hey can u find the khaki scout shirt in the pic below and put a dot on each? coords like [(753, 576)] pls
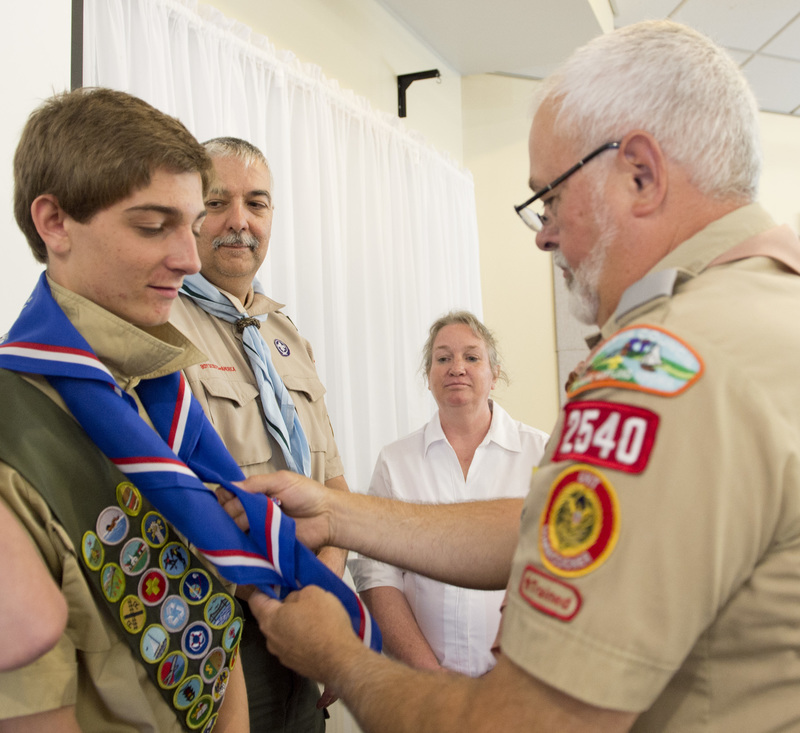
[(92, 666), (227, 389), (658, 568)]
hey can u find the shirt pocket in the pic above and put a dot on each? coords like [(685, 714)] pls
[(234, 409), (307, 393)]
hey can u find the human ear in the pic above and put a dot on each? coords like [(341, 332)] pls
[(646, 167), (48, 218)]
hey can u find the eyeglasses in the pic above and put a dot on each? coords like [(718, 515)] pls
[(535, 218)]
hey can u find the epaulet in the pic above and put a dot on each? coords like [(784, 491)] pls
[(655, 285)]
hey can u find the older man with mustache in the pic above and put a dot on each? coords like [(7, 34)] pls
[(259, 388)]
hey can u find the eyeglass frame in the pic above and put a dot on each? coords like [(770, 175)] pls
[(557, 182)]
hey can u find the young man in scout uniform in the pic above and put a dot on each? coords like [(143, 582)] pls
[(259, 388), (109, 194), (654, 584)]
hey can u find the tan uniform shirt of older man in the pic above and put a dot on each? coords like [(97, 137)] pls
[(652, 581), (232, 246)]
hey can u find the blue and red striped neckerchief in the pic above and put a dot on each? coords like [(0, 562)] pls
[(170, 470)]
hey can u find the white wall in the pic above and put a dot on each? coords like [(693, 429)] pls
[(36, 55), (361, 45), (516, 278)]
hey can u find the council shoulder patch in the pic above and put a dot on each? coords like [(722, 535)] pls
[(643, 358), (579, 526)]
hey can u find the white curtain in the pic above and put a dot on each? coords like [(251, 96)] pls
[(375, 232)]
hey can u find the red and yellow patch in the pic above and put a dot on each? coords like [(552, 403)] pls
[(580, 522)]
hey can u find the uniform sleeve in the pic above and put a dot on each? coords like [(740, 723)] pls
[(51, 681), (646, 517), (368, 573)]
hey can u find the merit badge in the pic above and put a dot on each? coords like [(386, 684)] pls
[(580, 522), (174, 614), (154, 644), (212, 665), (112, 581), (221, 683), (231, 636), (112, 525), (211, 723), (174, 559), (607, 434), (282, 348), (643, 358), (154, 529), (196, 639), (133, 614), (153, 586), (195, 586), (188, 692), (549, 595), (218, 610), (200, 712), (92, 551), (172, 670), (135, 556), (129, 498)]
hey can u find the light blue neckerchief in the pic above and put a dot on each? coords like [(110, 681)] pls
[(280, 414)]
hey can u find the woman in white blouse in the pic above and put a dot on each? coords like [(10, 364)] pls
[(471, 449)]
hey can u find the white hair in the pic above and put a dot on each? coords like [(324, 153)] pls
[(673, 82)]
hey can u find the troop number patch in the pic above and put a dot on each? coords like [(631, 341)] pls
[(580, 522), (607, 434), (643, 358)]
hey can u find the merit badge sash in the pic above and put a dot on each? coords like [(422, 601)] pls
[(170, 468), (178, 619)]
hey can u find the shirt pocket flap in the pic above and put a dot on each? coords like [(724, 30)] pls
[(239, 392), (311, 386)]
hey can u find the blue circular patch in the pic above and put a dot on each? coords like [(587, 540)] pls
[(174, 559), (174, 614), (112, 525), (196, 639), (219, 610), (195, 586), (135, 556), (282, 348), (188, 692), (154, 529), (154, 643)]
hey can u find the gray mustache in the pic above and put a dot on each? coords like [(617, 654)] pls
[(236, 238)]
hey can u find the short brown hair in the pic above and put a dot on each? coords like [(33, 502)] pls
[(93, 147), (464, 318)]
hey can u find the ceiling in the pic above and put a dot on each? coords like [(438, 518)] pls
[(531, 37)]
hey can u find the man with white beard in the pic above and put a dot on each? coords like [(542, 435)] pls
[(652, 581)]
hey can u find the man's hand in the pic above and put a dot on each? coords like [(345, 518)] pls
[(299, 497), (310, 632)]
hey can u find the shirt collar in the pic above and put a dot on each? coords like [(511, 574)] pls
[(130, 353), (502, 431)]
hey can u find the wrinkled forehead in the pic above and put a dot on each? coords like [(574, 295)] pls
[(234, 173), (550, 150)]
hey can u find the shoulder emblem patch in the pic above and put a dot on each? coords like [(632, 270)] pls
[(579, 526), (643, 358), (608, 434)]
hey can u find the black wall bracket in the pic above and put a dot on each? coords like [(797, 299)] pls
[(404, 81)]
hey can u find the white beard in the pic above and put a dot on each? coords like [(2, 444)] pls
[(583, 282)]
